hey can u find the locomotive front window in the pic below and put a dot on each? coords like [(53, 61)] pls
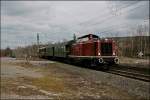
[(106, 49)]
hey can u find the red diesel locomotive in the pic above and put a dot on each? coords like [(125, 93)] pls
[(89, 50)]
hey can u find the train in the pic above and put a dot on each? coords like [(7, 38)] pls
[(88, 50)]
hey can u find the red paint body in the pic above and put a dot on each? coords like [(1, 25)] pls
[(92, 47)]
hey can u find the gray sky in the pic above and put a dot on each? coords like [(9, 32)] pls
[(59, 20)]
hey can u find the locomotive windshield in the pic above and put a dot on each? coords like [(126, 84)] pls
[(106, 49)]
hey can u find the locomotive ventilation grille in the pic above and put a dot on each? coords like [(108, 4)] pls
[(106, 49)]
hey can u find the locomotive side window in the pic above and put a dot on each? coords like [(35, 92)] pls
[(84, 39)]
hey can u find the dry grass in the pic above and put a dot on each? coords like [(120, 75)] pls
[(49, 83), (69, 84)]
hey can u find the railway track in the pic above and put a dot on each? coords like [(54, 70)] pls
[(126, 71), (138, 69), (130, 74)]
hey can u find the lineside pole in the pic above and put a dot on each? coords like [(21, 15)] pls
[(38, 46)]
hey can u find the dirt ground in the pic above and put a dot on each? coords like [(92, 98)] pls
[(56, 81), (135, 62)]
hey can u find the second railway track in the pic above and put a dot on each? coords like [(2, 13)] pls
[(130, 74)]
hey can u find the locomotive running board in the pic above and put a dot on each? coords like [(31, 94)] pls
[(72, 56)]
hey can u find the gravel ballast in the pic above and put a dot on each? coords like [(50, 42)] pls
[(132, 86)]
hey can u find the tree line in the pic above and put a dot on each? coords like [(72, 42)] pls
[(127, 46)]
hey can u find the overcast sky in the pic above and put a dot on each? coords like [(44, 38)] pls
[(59, 20)]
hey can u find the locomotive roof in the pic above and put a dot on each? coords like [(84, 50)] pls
[(93, 36)]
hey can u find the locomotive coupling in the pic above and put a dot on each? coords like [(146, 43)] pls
[(116, 60), (100, 60)]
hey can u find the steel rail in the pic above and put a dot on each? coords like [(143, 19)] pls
[(129, 74)]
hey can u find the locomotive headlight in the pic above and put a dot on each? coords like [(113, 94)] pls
[(106, 39), (99, 53), (114, 53)]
